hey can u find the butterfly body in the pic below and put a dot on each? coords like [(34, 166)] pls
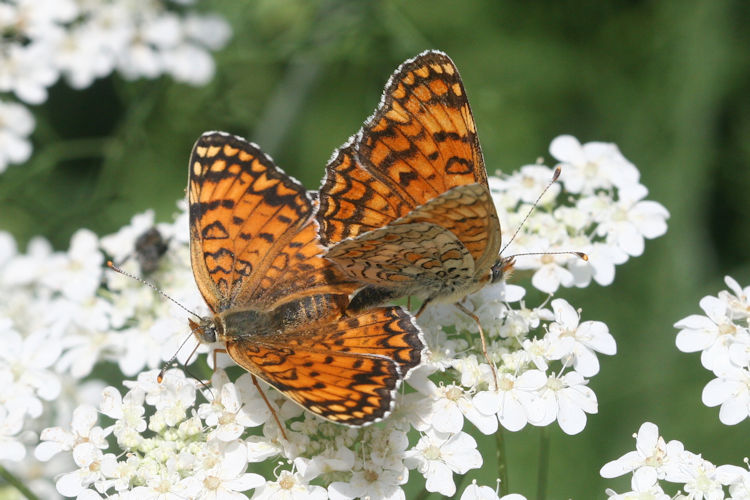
[(278, 306)]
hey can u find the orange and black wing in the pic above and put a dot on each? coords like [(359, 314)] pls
[(252, 239), (420, 142), (447, 240), (346, 370)]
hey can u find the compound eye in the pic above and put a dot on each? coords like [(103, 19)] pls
[(497, 273), (501, 269)]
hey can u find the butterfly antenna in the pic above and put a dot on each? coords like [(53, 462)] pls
[(112, 266), (581, 255), (169, 363), (531, 210)]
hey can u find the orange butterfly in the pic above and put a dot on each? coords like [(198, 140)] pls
[(277, 303), (405, 207)]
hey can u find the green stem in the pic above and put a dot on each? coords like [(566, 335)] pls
[(543, 466), (13, 481), (502, 464)]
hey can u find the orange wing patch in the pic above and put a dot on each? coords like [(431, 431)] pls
[(344, 370)]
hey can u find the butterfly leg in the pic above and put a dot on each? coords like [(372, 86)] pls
[(262, 394), (481, 336), (268, 403)]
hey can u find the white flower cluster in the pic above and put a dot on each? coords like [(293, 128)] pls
[(83, 40), (597, 207), (66, 315), (723, 338), (656, 461)]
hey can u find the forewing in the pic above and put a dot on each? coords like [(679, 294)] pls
[(420, 142), (404, 257), (252, 236), (353, 201), (346, 371)]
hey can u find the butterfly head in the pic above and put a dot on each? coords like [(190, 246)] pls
[(207, 330), (502, 268)]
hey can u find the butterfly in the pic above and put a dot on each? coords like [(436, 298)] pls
[(405, 207), (277, 304)]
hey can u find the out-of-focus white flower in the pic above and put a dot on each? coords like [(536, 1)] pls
[(25, 370), (83, 430), (26, 70), (11, 424), (77, 273), (438, 455), (16, 123)]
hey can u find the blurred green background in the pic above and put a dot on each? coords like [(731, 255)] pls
[(667, 81)]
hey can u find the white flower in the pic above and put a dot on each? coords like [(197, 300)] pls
[(26, 71), (11, 424), (653, 458), (24, 369), (438, 455), (83, 430), (705, 480), (90, 461), (476, 492), (211, 31), (528, 183), (711, 333), (640, 492), (732, 392), (737, 302), (450, 403), (516, 400), (289, 486), (577, 341), (77, 273), (567, 399), (81, 56), (591, 166), (626, 222), (236, 406), (16, 123), (228, 477), (372, 483), (128, 411)]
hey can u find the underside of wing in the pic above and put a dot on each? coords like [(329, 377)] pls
[(415, 259), (469, 213), (345, 371)]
